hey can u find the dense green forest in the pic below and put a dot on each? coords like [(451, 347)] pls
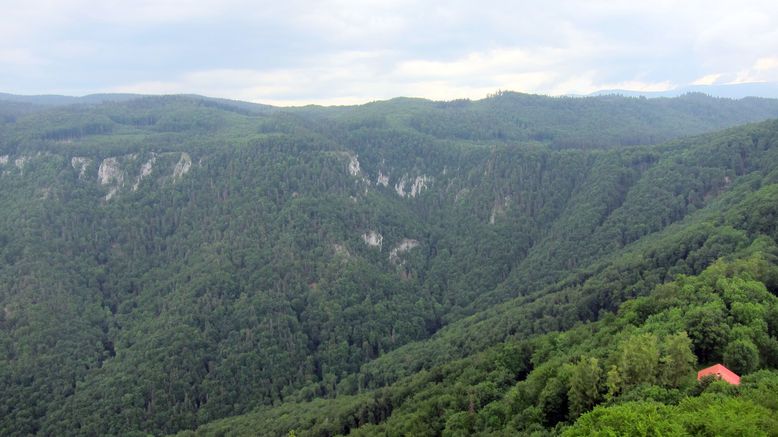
[(518, 264)]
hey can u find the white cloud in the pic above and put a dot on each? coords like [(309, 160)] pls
[(350, 51), (708, 79), (763, 70), (637, 85), (766, 64), (477, 63), (352, 21), (587, 83), (359, 77), (279, 86)]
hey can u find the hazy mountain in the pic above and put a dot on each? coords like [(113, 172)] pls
[(59, 100), (730, 91)]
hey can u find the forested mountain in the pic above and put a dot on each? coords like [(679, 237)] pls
[(179, 263)]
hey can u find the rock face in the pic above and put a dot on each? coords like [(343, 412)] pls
[(405, 245), (80, 163), (145, 170), (416, 185), (373, 239), (399, 187), (183, 166), (419, 184), (353, 165), (115, 173), (21, 161), (110, 172), (382, 179)]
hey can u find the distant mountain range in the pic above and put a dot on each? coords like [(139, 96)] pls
[(44, 101), (59, 100), (732, 91)]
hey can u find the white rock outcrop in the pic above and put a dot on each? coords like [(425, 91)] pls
[(183, 166), (353, 165), (112, 192), (21, 161), (382, 179), (399, 187), (145, 170), (80, 163), (405, 245), (373, 239), (110, 172), (420, 183), (415, 185), (4, 159)]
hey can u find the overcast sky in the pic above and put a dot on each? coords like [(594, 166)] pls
[(289, 52)]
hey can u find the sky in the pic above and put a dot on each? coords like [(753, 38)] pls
[(290, 52)]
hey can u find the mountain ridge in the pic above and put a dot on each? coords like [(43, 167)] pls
[(732, 91), (168, 261), (736, 91)]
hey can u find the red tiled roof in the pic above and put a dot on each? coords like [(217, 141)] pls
[(720, 371)]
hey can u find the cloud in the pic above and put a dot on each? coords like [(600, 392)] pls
[(763, 70), (587, 83), (359, 77), (708, 79), (355, 21), (475, 63), (294, 86), (325, 51)]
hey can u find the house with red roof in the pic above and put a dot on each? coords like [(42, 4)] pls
[(720, 372)]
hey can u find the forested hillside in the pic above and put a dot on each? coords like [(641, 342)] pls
[(178, 263)]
